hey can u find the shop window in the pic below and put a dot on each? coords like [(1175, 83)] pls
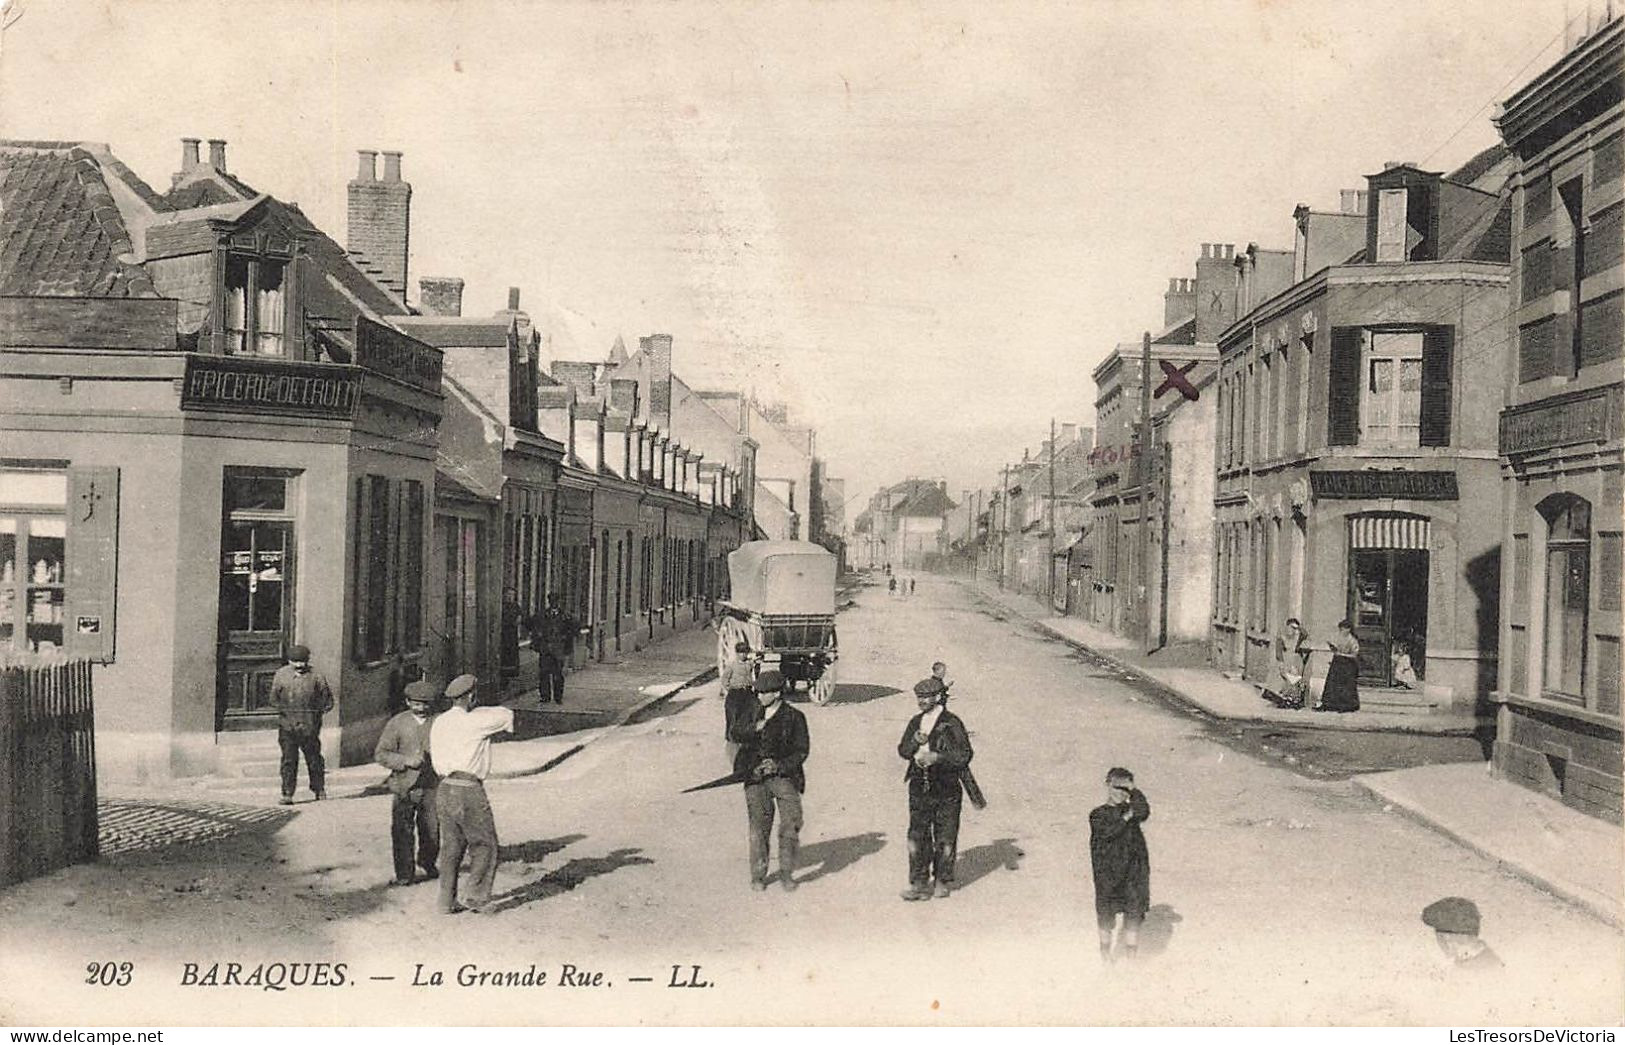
[(57, 566), (1568, 594), (254, 312)]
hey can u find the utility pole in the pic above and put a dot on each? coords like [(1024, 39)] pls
[(1143, 460), (1052, 513), (1004, 523)]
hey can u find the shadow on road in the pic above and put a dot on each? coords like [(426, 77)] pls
[(129, 827), (837, 854), (568, 877), (982, 860), (861, 693), (1158, 930), (536, 850)]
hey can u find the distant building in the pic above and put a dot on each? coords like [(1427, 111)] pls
[(905, 525)]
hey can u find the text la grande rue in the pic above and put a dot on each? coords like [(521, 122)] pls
[(568, 975)]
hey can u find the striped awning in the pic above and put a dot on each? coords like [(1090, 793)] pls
[(1389, 531)]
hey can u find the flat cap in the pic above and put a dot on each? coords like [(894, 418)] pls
[(1453, 914), (421, 692), (769, 681), (929, 687), (461, 686), (299, 654)]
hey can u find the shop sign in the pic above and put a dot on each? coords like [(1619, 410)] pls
[(387, 351), (260, 386), (1373, 485), (1545, 425)]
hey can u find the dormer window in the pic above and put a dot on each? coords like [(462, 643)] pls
[(1392, 229), (254, 312)]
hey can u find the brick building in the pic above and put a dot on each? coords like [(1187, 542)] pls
[(1558, 682)]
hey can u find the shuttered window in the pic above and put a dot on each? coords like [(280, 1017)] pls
[(1343, 408), (1536, 344), (59, 560), (1438, 345)]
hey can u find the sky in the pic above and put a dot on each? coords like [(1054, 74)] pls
[(920, 225)]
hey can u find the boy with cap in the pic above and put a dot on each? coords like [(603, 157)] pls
[(460, 742), (1120, 861), (938, 751), (301, 697), (738, 695), (773, 745), (403, 748), (1455, 924)]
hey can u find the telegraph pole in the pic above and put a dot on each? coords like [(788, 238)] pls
[(1004, 523), (1052, 512), (1143, 460)]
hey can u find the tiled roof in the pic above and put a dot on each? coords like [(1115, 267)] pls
[(1481, 165), (454, 332), (60, 231)]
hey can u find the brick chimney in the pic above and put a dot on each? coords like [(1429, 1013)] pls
[(441, 295), (217, 154), (1215, 290), (658, 348), (380, 220), (1178, 301)]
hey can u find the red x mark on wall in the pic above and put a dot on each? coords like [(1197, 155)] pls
[(1175, 378)]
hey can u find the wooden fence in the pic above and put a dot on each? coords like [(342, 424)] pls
[(47, 769)]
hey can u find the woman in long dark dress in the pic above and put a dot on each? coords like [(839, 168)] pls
[(1340, 693)]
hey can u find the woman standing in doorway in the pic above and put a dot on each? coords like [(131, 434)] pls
[(1341, 693)]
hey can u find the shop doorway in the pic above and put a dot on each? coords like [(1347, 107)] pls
[(258, 576), (1388, 603), (462, 650)]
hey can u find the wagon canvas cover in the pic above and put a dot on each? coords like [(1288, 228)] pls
[(782, 577)]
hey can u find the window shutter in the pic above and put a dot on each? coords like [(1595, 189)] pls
[(1438, 344), (1343, 410), (92, 553)]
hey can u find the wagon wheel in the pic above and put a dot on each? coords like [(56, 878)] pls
[(727, 656), (823, 687)]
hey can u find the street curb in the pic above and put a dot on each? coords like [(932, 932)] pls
[(599, 732), (1192, 705), (1599, 908)]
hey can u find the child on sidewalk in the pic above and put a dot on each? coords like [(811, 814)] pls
[(1121, 863)]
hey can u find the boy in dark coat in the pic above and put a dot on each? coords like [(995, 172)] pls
[(938, 751), (1121, 863), (773, 745)]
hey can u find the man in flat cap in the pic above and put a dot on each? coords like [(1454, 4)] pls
[(1455, 924), (773, 745), (738, 695), (937, 749), (301, 697), (460, 743), (403, 748)]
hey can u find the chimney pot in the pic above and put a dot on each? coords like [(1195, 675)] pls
[(392, 166), (1173, 286), (1229, 250), (367, 169), (513, 299), (1362, 199), (1348, 201), (1391, 164), (189, 153), (217, 154), (1205, 248)]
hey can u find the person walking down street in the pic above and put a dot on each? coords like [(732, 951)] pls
[(939, 671), (403, 748), (911, 585), (301, 697), (460, 744), (554, 638), (513, 625), (773, 746), (1340, 692), (738, 696), (891, 587), (938, 751), (1120, 862), (1455, 923)]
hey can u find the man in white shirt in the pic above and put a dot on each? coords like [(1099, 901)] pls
[(460, 744)]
